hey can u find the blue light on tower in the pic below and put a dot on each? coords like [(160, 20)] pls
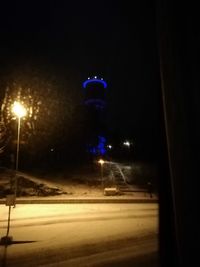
[(94, 91), (94, 80), (99, 148), (95, 102)]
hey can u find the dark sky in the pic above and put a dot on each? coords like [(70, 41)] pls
[(112, 39)]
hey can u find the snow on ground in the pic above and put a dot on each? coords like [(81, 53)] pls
[(60, 186), (67, 233), (33, 186)]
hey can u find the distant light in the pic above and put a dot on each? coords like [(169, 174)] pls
[(127, 143), (101, 161), (19, 110), (95, 77), (52, 149), (109, 146), (102, 79), (88, 78)]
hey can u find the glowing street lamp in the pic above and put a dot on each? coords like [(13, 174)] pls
[(19, 111), (101, 162)]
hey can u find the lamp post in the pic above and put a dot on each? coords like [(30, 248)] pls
[(19, 111), (101, 162), (128, 146), (127, 143)]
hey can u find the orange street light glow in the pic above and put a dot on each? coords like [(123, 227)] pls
[(19, 110), (101, 161)]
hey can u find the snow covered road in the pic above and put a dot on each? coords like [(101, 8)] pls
[(81, 235)]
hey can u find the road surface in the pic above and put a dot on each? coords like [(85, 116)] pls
[(80, 235)]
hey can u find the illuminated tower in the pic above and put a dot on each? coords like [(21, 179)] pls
[(95, 103)]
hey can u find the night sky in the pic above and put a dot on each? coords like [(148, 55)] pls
[(115, 40)]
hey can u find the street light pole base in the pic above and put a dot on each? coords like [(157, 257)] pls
[(6, 240)]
